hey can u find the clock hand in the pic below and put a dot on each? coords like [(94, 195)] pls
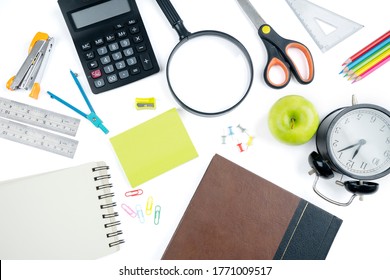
[(349, 147), (361, 143)]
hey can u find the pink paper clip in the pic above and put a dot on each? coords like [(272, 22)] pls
[(129, 211), (134, 193)]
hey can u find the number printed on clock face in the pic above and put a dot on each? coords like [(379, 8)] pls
[(360, 142)]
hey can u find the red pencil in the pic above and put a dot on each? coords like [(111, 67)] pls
[(372, 69), (368, 47)]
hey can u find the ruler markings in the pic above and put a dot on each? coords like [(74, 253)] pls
[(39, 117), (37, 138)]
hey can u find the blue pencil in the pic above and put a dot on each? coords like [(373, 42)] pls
[(360, 59)]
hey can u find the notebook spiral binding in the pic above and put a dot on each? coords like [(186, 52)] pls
[(110, 218)]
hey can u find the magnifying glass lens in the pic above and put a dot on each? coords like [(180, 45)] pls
[(209, 73)]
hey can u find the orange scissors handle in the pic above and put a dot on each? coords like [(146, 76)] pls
[(280, 53)]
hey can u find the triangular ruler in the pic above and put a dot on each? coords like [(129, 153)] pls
[(313, 17)]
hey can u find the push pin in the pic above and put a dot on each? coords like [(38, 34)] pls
[(223, 139), (243, 130), (231, 133), (239, 145), (250, 141)]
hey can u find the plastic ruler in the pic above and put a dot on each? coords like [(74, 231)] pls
[(311, 15), (12, 111)]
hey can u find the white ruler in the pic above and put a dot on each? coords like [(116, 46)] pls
[(37, 138), (28, 114)]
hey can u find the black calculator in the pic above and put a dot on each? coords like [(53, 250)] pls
[(111, 41)]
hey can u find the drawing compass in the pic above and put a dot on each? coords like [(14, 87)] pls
[(92, 116)]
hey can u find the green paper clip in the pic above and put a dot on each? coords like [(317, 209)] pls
[(157, 213)]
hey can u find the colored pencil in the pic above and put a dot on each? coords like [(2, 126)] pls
[(366, 55), (368, 60), (372, 63), (371, 70), (367, 48)]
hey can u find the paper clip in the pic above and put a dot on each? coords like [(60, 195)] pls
[(129, 211), (134, 193), (140, 213), (157, 212), (149, 206), (145, 103)]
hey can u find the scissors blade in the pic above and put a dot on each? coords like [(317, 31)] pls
[(251, 12)]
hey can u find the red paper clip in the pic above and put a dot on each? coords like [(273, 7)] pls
[(134, 193)]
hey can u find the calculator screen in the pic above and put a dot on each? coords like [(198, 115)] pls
[(100, 12)]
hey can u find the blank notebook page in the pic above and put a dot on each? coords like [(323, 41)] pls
[(58, 215)]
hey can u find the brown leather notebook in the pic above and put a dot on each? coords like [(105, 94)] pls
[(237, 215)]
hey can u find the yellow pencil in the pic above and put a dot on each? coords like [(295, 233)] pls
[(355, 74)]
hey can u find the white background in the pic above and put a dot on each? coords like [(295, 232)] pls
[(361, 246)]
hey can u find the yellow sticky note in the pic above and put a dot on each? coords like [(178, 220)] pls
[(153, 147)]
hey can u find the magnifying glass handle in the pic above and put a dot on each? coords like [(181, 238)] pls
[(173, 18)]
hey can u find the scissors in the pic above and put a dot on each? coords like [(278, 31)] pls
[(278, 51)]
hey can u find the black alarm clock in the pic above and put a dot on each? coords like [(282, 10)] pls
[(353, 141)]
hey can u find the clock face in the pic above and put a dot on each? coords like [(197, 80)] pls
[(359, 142)]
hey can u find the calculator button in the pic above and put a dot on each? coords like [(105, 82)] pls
[(141, 48), (99, 41), (112, 78), (113, 47), (105, 59), (99, 83), (124, 74), (146, 62), (128, 52), (90, 55), (93, 64), (118, 26), (125, 43), (120, 65), (131, 22), (134, 30), (117, 55), (135, 71), (138, 39), (102, 50), (108, 69), (131, 61), (86, 46), (121, 34), (96, 74), (110, 38)]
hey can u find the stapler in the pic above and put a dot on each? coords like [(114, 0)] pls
[(31, 71)]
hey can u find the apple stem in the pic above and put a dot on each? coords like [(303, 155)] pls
[(292, 123)]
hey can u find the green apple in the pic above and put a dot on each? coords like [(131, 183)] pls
[(293, 120)]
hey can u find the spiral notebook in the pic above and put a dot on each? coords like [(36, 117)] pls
[(64, 214)]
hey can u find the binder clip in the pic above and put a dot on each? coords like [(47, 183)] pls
[(30, 73)]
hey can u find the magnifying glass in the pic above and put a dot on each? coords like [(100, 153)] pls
[(209, 72)]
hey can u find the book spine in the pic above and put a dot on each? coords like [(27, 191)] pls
[(105, 197)]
